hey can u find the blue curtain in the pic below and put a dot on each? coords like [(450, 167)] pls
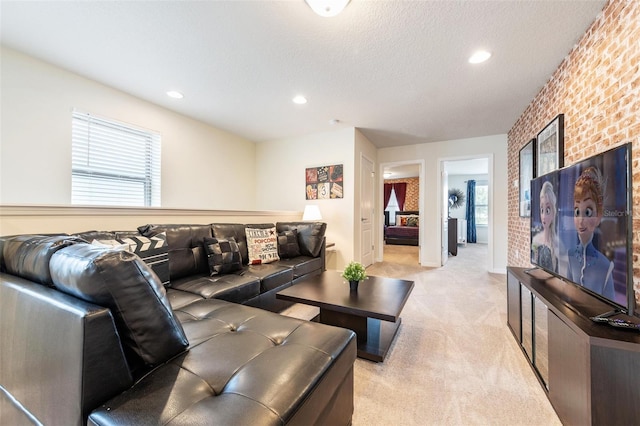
[(471, 211)]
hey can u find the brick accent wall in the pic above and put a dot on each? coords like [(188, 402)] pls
[(597, 88), (413, 191)]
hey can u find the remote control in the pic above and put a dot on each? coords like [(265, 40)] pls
[(599, 319), (624, 324)]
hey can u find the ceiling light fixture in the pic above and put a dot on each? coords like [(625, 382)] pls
[(327, 8), (479, 57), (300, 100), (175, 94)]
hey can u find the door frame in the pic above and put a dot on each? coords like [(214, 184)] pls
[(374, 199), (379, 222)]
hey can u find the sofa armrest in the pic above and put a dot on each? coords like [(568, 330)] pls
[(60, 357)]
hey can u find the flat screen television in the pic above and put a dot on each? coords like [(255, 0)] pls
[(581, 226)]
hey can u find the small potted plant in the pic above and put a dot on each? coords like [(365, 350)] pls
[(354, 272)]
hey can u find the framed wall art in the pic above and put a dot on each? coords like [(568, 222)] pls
[(324, 182), (550, 146), (527, 172)]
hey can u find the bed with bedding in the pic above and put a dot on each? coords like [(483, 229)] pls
[(405, 231)]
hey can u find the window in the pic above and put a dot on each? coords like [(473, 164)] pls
[(113, 164), (392, 207), (482, 204)]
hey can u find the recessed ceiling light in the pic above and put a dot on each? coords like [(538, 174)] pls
[(300, 100), (327, 8), (479, 56), (175, 94)]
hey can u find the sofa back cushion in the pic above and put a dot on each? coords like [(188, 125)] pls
[(237, 231), (28, 256), (186, 248), (121, 281), (310, 235)]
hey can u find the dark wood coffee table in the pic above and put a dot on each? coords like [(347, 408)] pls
[(373, 312)]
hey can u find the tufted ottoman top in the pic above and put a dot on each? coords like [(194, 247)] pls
[(244, 366)]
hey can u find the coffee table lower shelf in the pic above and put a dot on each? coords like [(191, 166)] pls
[(374, 336)]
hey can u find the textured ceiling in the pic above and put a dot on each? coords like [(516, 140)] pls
[(397, 70)]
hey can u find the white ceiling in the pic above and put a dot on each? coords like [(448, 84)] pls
[(395, 69)]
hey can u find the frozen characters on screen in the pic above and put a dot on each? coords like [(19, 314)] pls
[(544, 242), (587, 266)]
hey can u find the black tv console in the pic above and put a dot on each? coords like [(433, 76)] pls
[(590, 370)]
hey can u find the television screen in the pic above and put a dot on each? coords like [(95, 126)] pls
[(581, 225)]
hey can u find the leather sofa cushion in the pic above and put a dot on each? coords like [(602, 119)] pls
[(245, 366), (302, 265), (186, 247), (271, 275), (310, 235), (237, 231), (28, 256), (234, 287), (121, 281), (179, 298)]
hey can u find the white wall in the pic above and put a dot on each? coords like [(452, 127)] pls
[(280, 177), (432, 154), (206, 168), (460, 182), (202, 167)]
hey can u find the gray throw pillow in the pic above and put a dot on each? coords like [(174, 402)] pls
[(288, 244), (223, 255)]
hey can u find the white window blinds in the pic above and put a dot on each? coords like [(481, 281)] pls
[(113, 164)]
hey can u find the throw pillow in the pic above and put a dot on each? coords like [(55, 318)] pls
[(412, 221), (223, 255), (403, 220), (111, 244), (154, 251), (262, 245), (288, 244)]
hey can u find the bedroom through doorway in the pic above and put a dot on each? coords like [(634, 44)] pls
[(401, 201)]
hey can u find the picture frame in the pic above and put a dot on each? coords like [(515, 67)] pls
[(550, 146), (527, 173), (324, 182)]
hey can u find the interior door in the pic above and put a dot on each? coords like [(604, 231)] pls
[(444, 219), (366, 211)]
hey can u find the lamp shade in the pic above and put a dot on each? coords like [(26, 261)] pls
[(311, 212)]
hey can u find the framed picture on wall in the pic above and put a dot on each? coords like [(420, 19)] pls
[(527, 172), (550, 146), (324, 182)]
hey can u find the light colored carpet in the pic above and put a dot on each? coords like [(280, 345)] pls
[(454, 360)]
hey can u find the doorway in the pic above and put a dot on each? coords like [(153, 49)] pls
[(401, 188), (460, 171)]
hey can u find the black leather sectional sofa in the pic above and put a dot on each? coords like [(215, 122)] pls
[(90, 334)]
